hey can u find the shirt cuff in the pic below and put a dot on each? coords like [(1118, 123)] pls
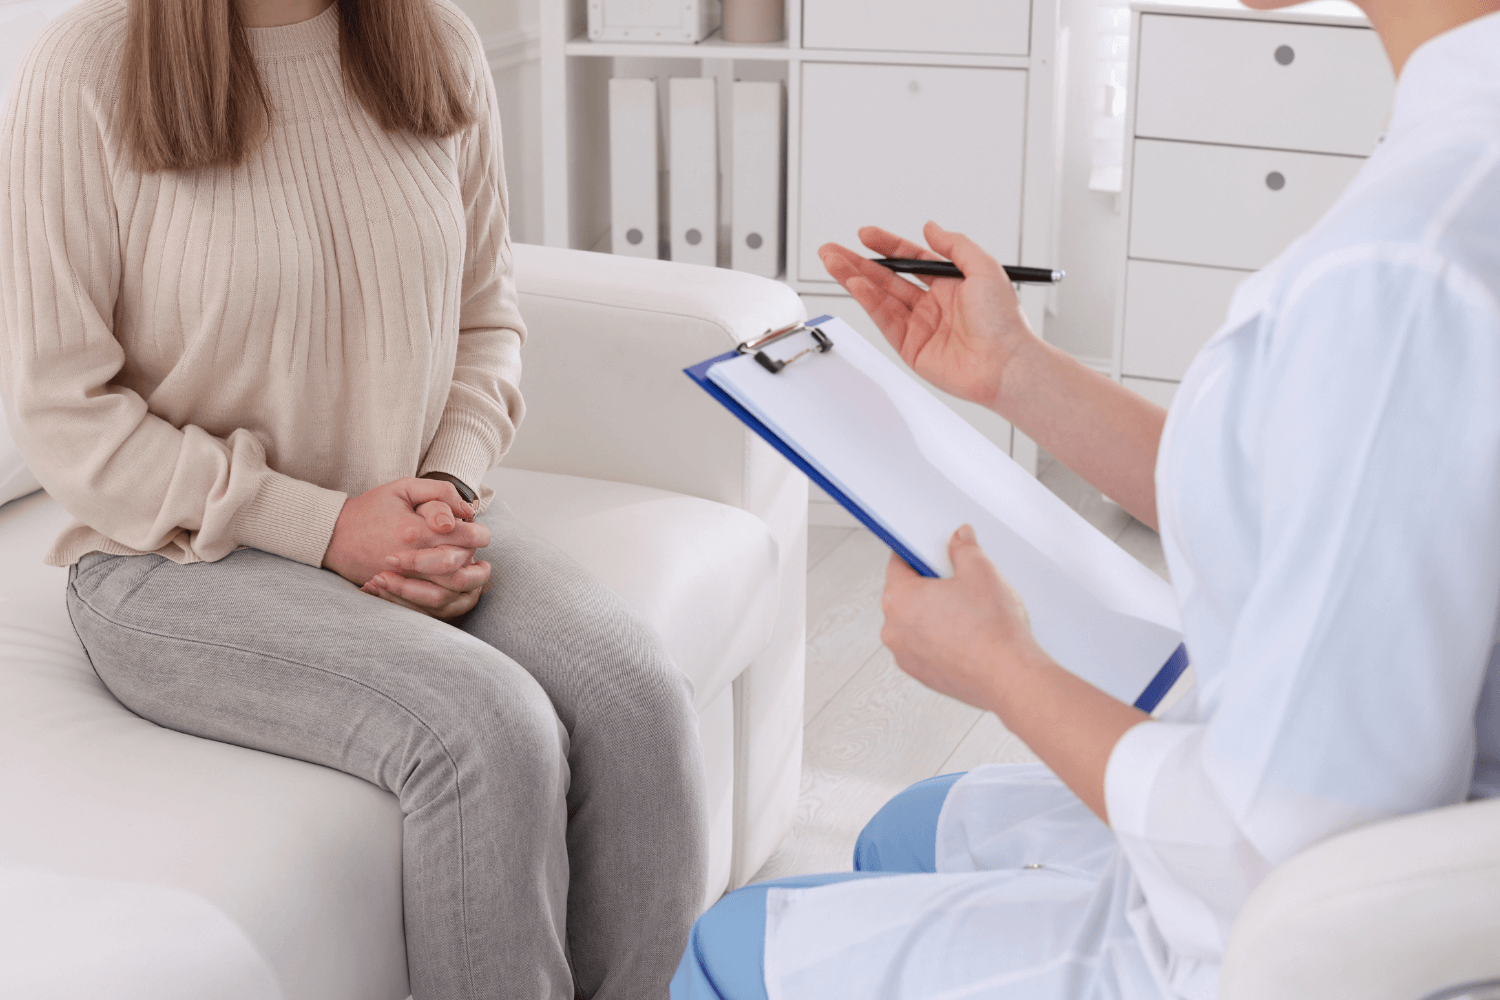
[(290, 518), (1131, 773)]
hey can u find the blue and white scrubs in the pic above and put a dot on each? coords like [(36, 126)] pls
[(1328, 486)]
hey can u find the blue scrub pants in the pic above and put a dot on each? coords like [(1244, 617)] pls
[(726, 951)]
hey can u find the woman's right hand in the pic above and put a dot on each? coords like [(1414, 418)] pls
[(396, 518), (958, 334)]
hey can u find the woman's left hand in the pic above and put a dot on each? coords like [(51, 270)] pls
[(443, 582), (958, 635)]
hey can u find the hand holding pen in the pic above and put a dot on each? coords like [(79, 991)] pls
[(958, 335)]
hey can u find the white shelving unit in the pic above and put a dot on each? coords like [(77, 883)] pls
[(949, 120)]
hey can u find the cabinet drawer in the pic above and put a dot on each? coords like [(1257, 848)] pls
[(1170, 311), (895, 146), (988, 27), (1318, 88), (1227, 206)]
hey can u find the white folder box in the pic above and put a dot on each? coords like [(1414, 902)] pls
[(633, 184), (757, 210), (653, 20), (693, 135)]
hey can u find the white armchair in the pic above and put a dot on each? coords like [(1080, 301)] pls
[(1406, 909), (136, 862)]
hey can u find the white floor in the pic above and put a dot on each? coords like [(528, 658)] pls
[(869, 730)]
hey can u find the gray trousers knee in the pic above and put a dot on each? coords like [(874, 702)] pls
[(544, 748)]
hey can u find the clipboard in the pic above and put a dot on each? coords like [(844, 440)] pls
[(796, 359)]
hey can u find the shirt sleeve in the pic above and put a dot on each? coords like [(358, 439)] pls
[(484, 404), (92, 444), (1372, 436)]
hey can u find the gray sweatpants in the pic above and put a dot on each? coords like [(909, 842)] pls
[(544, 748)]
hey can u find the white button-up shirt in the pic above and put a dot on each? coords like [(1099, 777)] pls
[(1329, 491)]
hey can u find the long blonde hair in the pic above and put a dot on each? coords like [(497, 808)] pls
[(192, 96)]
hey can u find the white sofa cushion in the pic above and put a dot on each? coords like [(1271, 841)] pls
[(305, 861), (131, 933), (706, 580)]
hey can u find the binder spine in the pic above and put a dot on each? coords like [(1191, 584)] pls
[(633, 193), (693, 137), (758, 213)]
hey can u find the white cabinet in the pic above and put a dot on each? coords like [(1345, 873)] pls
[(1228, 206), (1188, 301), (984, 27), (1243, 129), (1318, 87), (858, 169)]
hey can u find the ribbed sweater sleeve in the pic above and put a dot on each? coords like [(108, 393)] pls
[(484, 404), (93, 443)]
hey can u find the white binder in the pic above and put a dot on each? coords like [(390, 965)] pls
[(758, 208), (634, 213), (912, 471), (693, 135)]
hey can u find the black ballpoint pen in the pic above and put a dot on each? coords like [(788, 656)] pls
[(947, 269)]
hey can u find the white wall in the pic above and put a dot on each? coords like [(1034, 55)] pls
[(1091, 235), (509, 31)]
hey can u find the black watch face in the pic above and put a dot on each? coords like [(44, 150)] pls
[(463, 490)]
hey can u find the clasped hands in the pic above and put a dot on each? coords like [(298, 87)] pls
[(412, 542)]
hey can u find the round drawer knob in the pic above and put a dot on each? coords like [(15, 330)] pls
[(633, 236), (753, 241), (1285, 55), (1275, 181), (693, 237)]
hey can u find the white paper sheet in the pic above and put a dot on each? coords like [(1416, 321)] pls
[(919, 470)]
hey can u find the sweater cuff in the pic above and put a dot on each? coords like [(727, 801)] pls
[(290, 518), (462, 447)]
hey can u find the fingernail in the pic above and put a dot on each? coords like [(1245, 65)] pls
[(966, 533), (392, 561)]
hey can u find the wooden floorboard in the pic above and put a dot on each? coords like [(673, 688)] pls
[(870, 730), (821, 541), (881, 732), (986, 742), (843, 615)]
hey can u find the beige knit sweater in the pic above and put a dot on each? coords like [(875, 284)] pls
[(194, 362)]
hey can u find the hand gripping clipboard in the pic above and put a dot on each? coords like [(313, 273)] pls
[(911, 470)]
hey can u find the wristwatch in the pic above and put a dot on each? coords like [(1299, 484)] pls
[(464, 492)]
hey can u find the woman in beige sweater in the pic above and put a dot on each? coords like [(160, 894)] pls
[(261, 340)]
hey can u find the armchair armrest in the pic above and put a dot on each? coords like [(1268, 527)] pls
[(606, 398), (608, 338), (1397, 910)]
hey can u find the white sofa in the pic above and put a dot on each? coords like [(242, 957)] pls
[(136, 862)]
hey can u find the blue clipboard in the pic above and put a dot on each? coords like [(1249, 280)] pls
[(1149, 698)]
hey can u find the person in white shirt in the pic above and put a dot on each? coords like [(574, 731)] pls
[(1327, 488)]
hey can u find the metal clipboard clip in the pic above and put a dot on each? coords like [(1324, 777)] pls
[(821, 345)]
